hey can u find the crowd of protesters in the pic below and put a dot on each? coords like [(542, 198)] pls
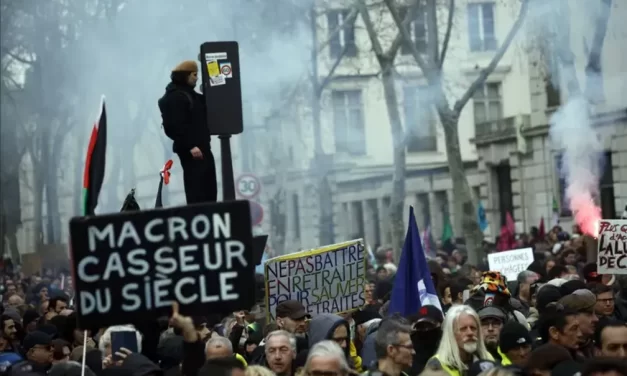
[(560, 317)]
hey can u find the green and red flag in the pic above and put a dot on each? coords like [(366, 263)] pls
[(95, 162)]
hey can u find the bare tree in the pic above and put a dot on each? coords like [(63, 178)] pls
[(431, 66), (321, 164), (386, 60)]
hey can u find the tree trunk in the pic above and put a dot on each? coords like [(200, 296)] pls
[(38, 193), (278, 221), (52, 192), (113, 201), (78, 171), (397, 200), (325, 194), (463, 203)]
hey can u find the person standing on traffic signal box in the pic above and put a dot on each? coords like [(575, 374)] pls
[(183, 111)]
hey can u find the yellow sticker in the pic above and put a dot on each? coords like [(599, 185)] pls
[(213, 69)]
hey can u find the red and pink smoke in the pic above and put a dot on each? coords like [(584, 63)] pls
[(581, 150), (587, 213)]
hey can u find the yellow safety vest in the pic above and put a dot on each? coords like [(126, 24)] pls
[(447, 369), (241, 359), (504, 359)]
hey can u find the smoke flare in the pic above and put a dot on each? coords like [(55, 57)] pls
[(582, 150)]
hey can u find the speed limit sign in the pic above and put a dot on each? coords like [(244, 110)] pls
[(248, 186)]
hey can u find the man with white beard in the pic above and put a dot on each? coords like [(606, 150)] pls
[(461, 344)]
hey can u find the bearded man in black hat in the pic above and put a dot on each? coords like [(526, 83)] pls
[(183, 111)]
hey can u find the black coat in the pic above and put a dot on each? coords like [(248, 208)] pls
[(183, 112)]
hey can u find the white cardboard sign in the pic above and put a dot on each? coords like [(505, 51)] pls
[(511, 263)]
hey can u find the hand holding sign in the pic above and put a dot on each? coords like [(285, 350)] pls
[(179, 321), (184, 323)]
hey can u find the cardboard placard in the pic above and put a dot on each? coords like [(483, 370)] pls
[(511, 263), (130, 267), (612, 249), (329, 279)]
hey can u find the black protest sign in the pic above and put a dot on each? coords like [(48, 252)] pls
[(130, 267), (612, 252)]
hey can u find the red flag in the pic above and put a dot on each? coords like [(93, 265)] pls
[(509, 222), (541, 230), (164, 175)]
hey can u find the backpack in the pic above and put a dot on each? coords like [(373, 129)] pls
[(189, 99), (191, 107)]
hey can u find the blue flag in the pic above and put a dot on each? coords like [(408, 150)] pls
[(259, 269), (483, 220), (413, 287)]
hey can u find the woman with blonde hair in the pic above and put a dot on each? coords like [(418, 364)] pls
[(259, 371)]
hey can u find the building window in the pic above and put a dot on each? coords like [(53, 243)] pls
[(606, 188), (503, 174), (487, 103), (481, 26), (417, 29), (345, 37), (553, 98), (348, 118), (419, 119)]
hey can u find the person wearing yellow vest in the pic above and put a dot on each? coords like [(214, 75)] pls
[(461, 344), (514, 345)]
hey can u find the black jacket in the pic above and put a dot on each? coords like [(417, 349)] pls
[(184, 118)]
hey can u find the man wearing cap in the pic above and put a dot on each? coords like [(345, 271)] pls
[(492, 320), (514, 345), (38, 353), (583, 302), (427, 331), (183, 112), (291, 316)]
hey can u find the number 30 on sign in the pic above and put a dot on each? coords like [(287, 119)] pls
[(248, 186)]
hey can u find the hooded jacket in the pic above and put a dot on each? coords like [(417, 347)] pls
[(321, 328)]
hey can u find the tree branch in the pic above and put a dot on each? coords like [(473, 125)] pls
[(594, 80), (483, 75), (17, 58), (350, 20), (329, 76), (447, 34), (372, 33), (429, 71)]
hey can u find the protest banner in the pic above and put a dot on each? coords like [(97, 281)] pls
[(130, 267), (329, 279), (510, 263), (612, 249)]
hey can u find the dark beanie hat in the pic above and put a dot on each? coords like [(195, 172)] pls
[(571, 286), (514, 335), (29, 316), (590, 273), (364, 315), (546, 295)]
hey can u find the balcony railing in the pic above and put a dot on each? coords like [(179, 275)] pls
[(501, 128)]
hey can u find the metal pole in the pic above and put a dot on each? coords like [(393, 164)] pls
[(228, 181)]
